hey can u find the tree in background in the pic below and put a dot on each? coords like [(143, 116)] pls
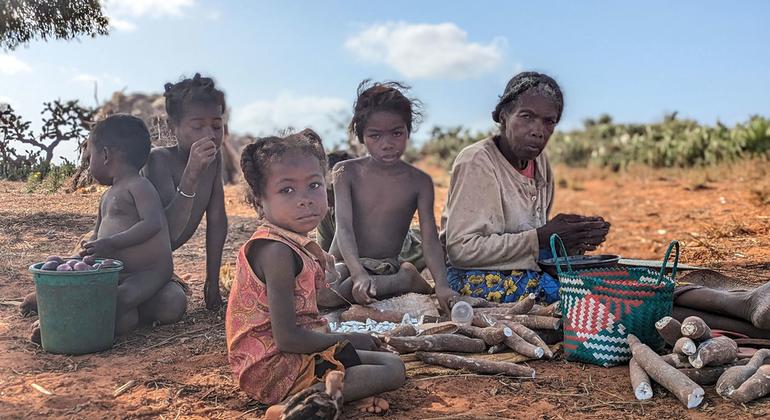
[(22, 21), (62, 121)]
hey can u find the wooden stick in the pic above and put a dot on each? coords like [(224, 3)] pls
[(476, 365), (437, 342), (490, 335), (640, 381), (530, 337), (714, 352), (123, 388), (403, 330), (687, 391), (758, 385), (362, 313), (694, 327), (44, 391), (734, 376), (670, 329), (521, 346), (685, 346)]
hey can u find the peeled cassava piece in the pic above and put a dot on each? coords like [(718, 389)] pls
[(640, 381), (733, 377), (685, 346), (714, 352), (695, 328), (670, 329), (683, 388)]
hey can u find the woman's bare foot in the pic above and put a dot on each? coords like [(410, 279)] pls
[(412, 277), (29, 304), (374, 405), (759, 306)]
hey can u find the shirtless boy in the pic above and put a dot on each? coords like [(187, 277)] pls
[(376, 197)]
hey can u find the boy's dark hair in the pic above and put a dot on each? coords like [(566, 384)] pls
[(524, 82), (386, 96), (198, 90), (124, 133), (257, 157)]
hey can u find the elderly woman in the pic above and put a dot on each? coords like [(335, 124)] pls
[(495, 225)]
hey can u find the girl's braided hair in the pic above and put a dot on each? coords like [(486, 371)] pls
[(372, 97), (257, 157), (199, 90), (526, 82)]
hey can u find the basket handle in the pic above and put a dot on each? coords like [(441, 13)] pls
[(554, 238), (673, 245)]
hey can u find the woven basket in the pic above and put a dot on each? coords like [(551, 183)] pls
[(601, 306)]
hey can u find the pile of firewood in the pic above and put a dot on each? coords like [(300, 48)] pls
[(520, 326), (698, 358)]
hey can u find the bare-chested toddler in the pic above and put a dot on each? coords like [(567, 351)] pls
[(131, 225), (376, 198)]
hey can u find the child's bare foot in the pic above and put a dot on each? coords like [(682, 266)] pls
[(316, 402), (375, 405), (759, 306), (34, 335), (29, 304), (415, 280)]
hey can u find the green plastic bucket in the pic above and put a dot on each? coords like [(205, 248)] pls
[(76, 308)]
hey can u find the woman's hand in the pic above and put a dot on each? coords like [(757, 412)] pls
[(579, 233), (444, 296)]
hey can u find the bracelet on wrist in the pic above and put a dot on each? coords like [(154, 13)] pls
[(179, 190)]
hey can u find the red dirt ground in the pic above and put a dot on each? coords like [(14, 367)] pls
[(721, 216)]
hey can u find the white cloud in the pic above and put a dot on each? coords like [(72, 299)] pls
[(427, 51), (288, 110), (119, 10), (122, 25), (154, 8), (101, 80), (11, 65)]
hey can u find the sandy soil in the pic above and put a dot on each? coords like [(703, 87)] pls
[(721, 216)]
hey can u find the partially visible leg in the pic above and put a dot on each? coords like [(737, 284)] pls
[(133, 290), (406, 280), (29, 304), (753, 306), (165, 307), (734, 304), (379, 372), (126, 320), (720, 322)]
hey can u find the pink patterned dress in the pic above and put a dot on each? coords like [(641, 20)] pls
[(260, 369)]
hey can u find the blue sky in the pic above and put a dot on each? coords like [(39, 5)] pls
[(287, 63)]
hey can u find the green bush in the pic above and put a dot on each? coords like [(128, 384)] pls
[(672, 142), (55, 177)]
